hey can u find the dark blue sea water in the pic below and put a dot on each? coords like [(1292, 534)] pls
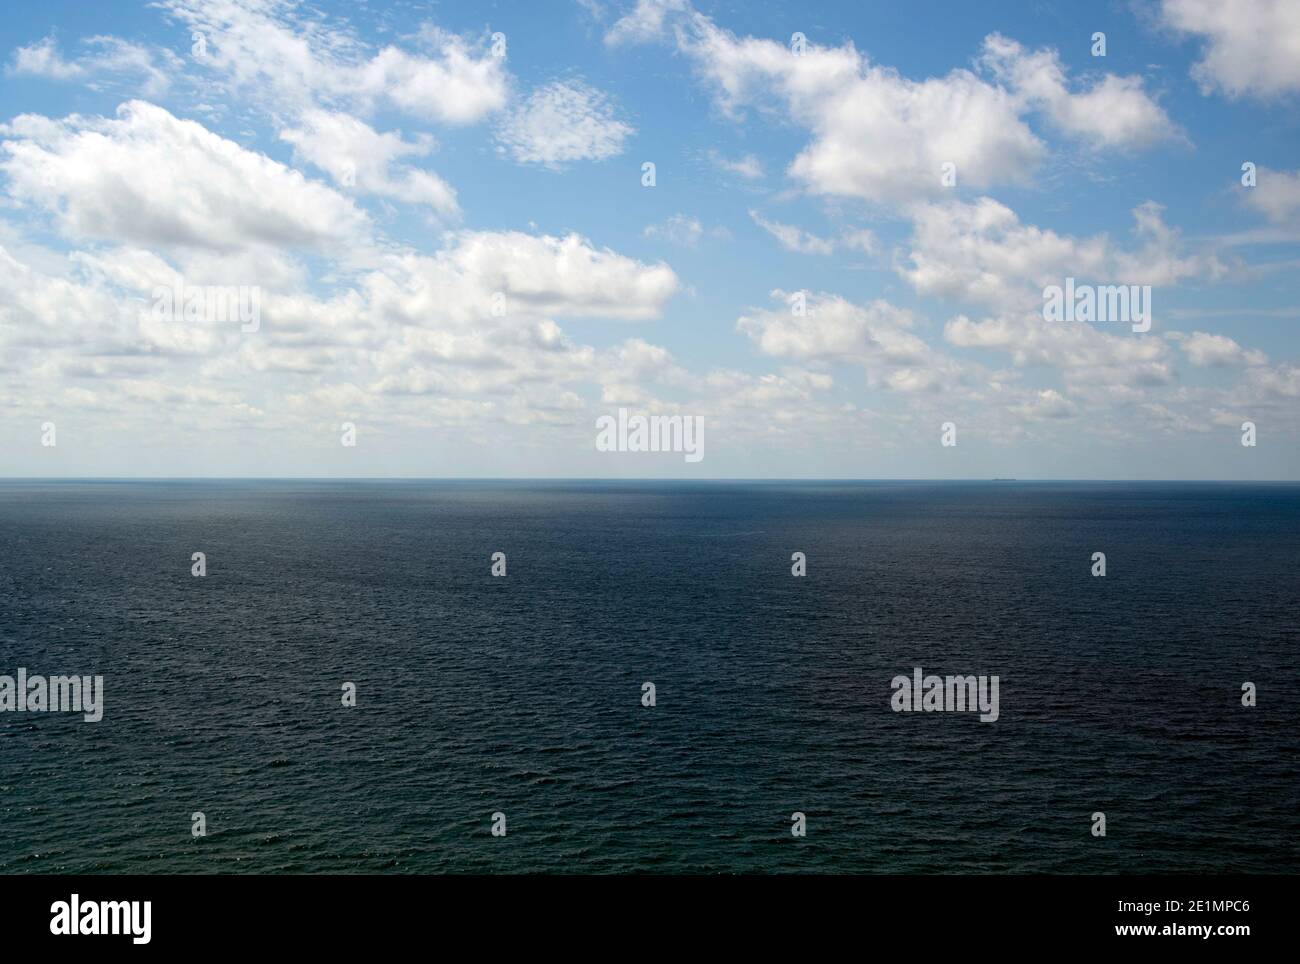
[(522, 694)]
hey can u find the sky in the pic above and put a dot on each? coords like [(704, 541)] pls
[(460, 233)]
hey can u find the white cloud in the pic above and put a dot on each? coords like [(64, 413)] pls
[(1086, 356), (1252, 47), (455, 86), (851, 106), (830, 328), (646, 21), (1162, 258), (272, 49), (860, 239), (105, 56), (414, 340), (980, 252), (782, 398), (748, 167), (1276, 195), (796, 239), (538, 276), (562, 122), (476, 318), (358, 157), (42, 59), (1114, 112), (1205, 350), (678, 229), (413, 325), (146, 177), (793, 238), (1047, 404), (1280, 382)]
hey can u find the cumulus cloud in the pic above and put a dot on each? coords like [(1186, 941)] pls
[(477, 318), (635, 371), (272, 48), (1251, 47), (475, 322), (467, 328), (1114, 112), (41, 309), (1085, 355), (1279, 382), (562, 122), (358, 157), (1276, 195), (980, 252), (42, 59), (851, 106), (1205, 350), (826, 329), (103, 58), (535, 275), (1047, 404), (147, 177), (646, 21), (455, 85)]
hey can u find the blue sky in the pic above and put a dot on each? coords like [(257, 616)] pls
[(378, 173)]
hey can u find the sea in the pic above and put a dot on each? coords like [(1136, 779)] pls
[(350, 689)]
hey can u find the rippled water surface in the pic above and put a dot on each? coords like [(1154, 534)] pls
[(523, 695)]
